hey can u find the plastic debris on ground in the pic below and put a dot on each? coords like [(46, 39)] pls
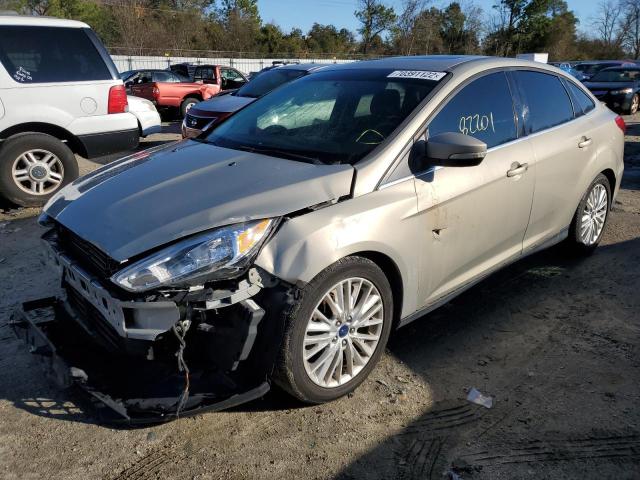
[(474, 396)]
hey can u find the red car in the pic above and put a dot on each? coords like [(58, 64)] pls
[(167, 89)]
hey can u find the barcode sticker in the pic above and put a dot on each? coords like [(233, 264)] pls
[(421, 74)]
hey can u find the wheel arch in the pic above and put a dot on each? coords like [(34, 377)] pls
[(611, 177), (392, 272), (56, 131), (196, 95)]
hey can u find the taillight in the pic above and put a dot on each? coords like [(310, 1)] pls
[(117, 99), (620, 123), (155, 91)]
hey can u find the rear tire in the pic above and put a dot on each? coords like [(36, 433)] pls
[(590, 219), (187, 103), (33, 167), (354, 342)]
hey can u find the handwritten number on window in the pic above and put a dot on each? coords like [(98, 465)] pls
[(472, 124)]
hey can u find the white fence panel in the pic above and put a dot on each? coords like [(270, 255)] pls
[(246, 65)]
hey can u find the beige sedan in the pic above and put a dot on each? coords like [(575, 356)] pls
[(288, 242)]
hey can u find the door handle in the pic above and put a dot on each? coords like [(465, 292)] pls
[(584, 142), (518, 170)]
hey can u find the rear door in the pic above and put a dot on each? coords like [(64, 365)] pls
[(474, 217), (562, 142)]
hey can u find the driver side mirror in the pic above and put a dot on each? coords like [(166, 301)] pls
[(450, 149)]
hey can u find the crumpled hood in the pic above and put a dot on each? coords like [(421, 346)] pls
[(147, 200)]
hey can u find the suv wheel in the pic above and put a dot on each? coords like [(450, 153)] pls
[(33, 167), (186, 105), (591, 217), (337, 332)]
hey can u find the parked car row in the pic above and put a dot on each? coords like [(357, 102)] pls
[(614, 82), (181, 87)]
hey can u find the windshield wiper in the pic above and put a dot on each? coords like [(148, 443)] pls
[(280, 153)]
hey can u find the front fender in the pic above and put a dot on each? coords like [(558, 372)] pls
[(383, 221)]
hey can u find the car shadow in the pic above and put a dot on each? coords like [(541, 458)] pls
[(455, 438)]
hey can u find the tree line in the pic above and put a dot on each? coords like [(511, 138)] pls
[(414, 27)]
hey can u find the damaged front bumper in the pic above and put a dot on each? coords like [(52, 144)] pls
[(129, 389)]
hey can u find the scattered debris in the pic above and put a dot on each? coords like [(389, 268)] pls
[(383, 383), (474, 396)]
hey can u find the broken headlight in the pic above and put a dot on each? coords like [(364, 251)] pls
[(220, 253)]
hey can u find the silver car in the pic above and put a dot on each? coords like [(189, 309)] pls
[(286, 244)]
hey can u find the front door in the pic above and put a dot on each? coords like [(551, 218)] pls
[(474, 218)]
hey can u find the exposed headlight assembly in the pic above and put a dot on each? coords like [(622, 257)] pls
[(218, 254), (622, 91)]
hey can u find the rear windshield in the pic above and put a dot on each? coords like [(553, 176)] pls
[(267, 81), (328, 117), (50, 54), (616, 75)]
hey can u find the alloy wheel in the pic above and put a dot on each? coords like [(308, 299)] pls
[(343, 332), (594, 215), (37, 172)]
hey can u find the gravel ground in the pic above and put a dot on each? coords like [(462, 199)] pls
[(553, 340)]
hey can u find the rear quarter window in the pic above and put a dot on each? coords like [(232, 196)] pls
[(547, 102), (50, 54), (584, 103)]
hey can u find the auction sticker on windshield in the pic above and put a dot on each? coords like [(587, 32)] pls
[(421, 74)]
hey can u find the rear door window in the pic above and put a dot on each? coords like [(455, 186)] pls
[(483, 109), (547, 102), (50, 54), (584, 103)]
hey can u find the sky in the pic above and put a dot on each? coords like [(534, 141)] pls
[(304, 13)]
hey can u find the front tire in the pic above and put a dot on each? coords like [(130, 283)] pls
[(33, 167), (590, 219), (186, 105), (336, 332)]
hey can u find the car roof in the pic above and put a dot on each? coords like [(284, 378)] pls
[(598, 62), (621, 68), (444, 63), (422, 62), (33, 21)]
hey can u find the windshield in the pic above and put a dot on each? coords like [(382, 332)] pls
[(617, 75), (267, 81), (328, 117)]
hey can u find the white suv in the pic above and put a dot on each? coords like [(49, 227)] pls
[(60, 94)]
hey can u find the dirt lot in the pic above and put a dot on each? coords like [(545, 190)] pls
[(553, 340)]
